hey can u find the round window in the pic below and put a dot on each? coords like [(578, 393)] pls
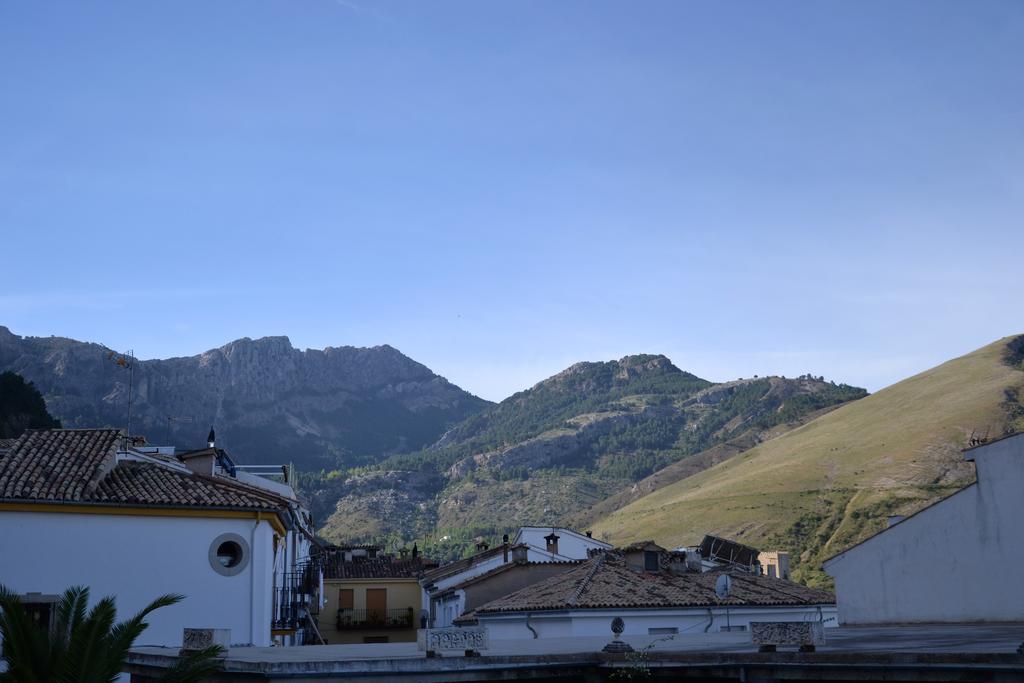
[(229, 554)]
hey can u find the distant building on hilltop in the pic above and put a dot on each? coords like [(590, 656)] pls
[(957, 560)]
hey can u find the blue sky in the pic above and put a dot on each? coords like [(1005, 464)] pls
[(502, 189)]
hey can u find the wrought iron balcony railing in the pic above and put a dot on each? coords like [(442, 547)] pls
[(376, 618)]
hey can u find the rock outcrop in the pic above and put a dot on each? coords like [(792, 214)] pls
[(270, 402)]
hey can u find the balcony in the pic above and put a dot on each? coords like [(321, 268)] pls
[(352, 619)]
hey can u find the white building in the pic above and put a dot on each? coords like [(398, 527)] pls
[(75, 509), (556, 544), (443, 602), (654, 593), (958, 560)]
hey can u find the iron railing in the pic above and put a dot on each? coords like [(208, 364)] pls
[(293, 601), (376, 618)]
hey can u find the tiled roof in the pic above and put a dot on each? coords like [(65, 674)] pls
[(148, 484), (378, 568), (605, 581), (80, 465), (6, 445), (58, 464), (642, 545)]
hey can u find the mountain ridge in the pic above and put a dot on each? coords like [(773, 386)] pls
[(567, 442), (269, 400), (819, 488)]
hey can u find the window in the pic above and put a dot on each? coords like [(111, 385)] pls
[(666, 631), (651, 563), (375, 639), (229, 554), (40, 610)]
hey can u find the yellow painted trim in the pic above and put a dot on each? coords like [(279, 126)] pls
[(370, 581), (125, 511)]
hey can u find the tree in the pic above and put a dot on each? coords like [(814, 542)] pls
[(82, 645), (21, 407)]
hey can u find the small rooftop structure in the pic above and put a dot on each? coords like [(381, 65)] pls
[(725, 551)]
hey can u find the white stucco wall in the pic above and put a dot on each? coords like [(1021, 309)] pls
[(959, 560), (470, 572), (638, 622), (571, 545), (137, 559)]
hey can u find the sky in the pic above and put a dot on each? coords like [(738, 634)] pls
[(501, 189)]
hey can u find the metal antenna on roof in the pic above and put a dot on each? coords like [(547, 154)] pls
[(126, 361), (723, 586)]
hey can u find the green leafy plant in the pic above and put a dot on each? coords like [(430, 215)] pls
[(638, 662), (84, 645)]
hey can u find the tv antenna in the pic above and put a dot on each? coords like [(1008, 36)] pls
[(723, 586), (126, 361)]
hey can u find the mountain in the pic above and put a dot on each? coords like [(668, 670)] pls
[(830, 483), (270, 402), (564, 445), (21, 407)]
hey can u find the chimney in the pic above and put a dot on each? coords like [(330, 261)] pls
[(520, 554), (677, 562), (590, 534), (415, 551), (211, 439), (504, 548), (552, 542)]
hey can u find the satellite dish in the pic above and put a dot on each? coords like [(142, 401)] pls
[(722, 586)]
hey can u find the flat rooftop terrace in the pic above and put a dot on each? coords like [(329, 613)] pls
[(919, 652)]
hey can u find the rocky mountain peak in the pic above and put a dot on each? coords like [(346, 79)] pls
[(266, 397)]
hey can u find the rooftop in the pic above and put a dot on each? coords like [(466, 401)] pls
[(82, 466), (606, 581), (374, 568), (465, 563), (902, 653)]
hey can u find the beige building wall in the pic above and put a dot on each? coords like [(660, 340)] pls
[(774, 564), (402, 594), (515, 578)]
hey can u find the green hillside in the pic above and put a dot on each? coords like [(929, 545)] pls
[(820, 488), (561, 447)]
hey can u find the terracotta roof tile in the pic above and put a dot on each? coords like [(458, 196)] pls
[(378, 568), (58, 464), (149, 484), (80, 465), (605, 581)]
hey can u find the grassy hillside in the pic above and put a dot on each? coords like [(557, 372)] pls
[(545, 454), (822, 487)]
